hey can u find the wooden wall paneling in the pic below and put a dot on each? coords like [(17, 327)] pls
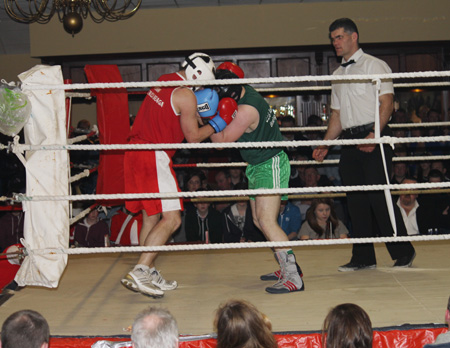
[(256, 67), (130, 73), (332, 64), (393, 60), (154, 71), (293, 66), (77, 74), (423, 62)]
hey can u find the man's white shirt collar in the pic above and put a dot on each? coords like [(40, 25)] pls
[(358, 54)]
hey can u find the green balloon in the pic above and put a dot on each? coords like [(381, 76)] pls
[(15, 110)]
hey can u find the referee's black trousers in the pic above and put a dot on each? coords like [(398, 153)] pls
[(368, 209)]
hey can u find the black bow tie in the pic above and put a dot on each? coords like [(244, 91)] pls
[(351, 61)]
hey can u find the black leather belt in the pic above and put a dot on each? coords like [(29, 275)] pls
[(358, 130)]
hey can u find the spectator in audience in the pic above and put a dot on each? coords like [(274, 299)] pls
[(312, 179), (322, 222), (238, 223), (237, 176), (400, 116), (313, 121), (418, 148), (443, 340), (25, 328), (194, 180), (437, 207), (413, 116), (399, 133), (154, 328), (439, 165), (83, 127), (297, 178), (434, 147), (347, 326), (435, 175), (330, 172), (400, 150), (85, 159), (411, 212), (423, 169), (290, 219), (91, 232), (223, 181), (204, 223), (240, 324), (288, 122), (422, 113), (399, 172)]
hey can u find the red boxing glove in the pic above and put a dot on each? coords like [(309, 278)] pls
[(225, 114), (227, 109)]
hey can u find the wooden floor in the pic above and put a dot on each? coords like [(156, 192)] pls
[(91, 301)]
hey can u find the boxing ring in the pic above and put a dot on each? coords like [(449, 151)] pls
[(79, 291)]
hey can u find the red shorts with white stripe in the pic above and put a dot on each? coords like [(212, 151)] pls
[(150, 172)]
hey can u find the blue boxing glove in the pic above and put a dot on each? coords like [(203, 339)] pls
[(225, 114), (207, 102)]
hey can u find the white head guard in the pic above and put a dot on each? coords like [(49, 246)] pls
[(199, 66)]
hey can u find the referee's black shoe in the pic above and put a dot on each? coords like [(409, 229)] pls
[(405, 261), (353, 266)]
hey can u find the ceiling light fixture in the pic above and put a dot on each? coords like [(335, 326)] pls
[(70, 12)]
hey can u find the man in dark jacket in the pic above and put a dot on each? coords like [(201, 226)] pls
[(203, 224)]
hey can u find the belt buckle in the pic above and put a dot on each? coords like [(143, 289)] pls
[(354, 130)]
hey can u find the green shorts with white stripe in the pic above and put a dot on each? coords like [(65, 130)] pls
[(270, 174)]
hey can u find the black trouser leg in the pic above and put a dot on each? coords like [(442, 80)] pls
[(368, 210)]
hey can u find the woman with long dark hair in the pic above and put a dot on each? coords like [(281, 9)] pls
[(322, 222), (347, 326)]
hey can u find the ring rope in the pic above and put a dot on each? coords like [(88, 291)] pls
[(20, 197), (290, 196), (327, 88), (81, 137), (190, 83), (307, 162), (391, 125), (317, 195), (221, 246), (284, 129), (20, 148), (84, 174), (293, 89), (82, 214)]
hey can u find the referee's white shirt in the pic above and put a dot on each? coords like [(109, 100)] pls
[(355, 99)]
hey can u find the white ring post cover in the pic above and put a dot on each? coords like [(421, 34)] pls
[(46, 223)]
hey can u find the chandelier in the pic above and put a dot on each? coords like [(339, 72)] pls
[(70, 12)]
